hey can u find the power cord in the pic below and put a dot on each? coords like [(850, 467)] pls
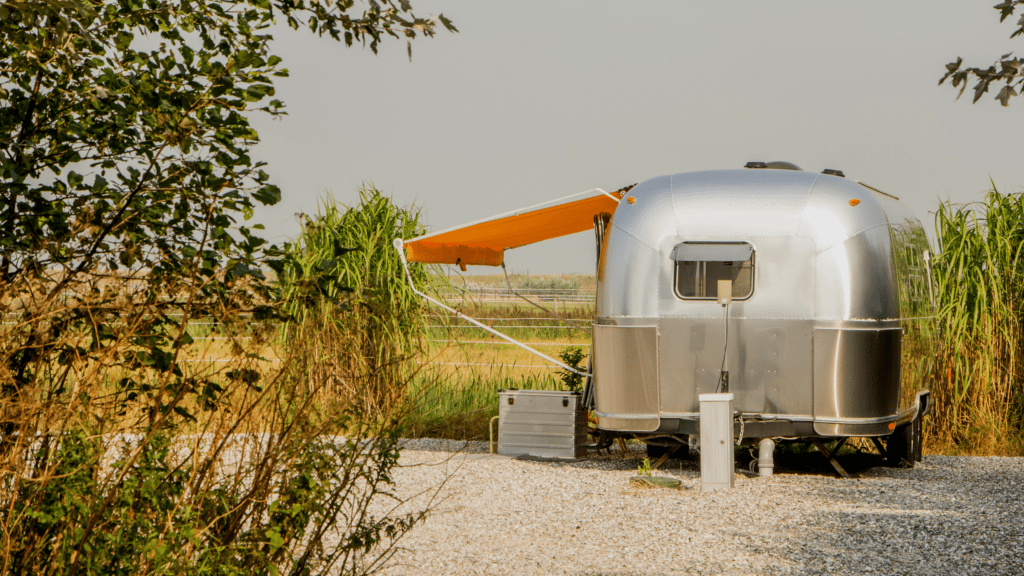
[(723, 377), (739, 440)]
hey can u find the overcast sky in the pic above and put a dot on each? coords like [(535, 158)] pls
[(533, 100)]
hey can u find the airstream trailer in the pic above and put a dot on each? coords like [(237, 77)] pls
[(828, 280)]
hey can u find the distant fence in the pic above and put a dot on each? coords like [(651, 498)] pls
[(569, 295), (555, 296)]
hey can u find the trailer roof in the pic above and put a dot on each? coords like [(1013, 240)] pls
[(484, 242)]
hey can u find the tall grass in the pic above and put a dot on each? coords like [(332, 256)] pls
[(979, 272), (521, 282), (460, 406), (346, 254), (458, 402)]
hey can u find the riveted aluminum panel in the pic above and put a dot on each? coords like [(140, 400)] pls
[(630, 276), (909, 244), (829, 219), (856, 279), (784, 283), (856, 374), (740, 202), (626, 382), (917, 365), (542, 423), (650, 216), (724, 205), (770, 364)]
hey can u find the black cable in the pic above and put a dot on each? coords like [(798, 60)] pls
[(725, 353)]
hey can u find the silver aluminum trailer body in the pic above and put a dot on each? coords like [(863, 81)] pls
[(836, 275)]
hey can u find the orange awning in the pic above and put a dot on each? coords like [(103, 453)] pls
[(485, 242)]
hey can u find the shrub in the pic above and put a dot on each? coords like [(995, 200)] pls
[(122, 451), (572, 357)]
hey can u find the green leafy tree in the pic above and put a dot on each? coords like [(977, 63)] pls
[(125, 169), (126, 180), (1006, 69)]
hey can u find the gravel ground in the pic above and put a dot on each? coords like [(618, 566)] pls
[(949, 515)]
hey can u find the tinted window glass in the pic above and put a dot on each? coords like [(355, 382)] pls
[(698, 279)]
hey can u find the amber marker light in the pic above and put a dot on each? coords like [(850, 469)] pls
[(892, 425), (631, 200), (854, 202)]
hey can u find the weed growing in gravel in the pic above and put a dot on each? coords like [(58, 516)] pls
[(644, 469)]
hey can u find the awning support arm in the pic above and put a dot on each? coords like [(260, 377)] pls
[(401, 254)]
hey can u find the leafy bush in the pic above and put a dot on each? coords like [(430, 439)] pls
[(572, 357), (257, 481)]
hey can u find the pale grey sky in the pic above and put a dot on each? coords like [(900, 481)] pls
[(534, 100)]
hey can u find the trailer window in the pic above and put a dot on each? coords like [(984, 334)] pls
[(700, 265)]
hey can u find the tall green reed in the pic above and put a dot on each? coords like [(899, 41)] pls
[(460, 406), (979, 273), (346, 254)]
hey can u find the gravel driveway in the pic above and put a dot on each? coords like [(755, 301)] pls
[(949, 515)]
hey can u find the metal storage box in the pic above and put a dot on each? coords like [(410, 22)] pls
[(541, 423)]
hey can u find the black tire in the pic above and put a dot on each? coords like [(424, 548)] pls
[(918, 427), (900, 449)]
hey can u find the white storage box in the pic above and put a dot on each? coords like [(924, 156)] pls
[(541, 423)]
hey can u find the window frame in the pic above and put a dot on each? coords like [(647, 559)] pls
[(678, 263)]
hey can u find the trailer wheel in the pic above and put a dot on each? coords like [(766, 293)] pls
[(918, 427), (899, 450)]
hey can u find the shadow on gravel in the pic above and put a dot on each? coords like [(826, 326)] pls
[(806, 463), (815, 463)]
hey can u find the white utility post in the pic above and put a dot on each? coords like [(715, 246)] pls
[(716, 455)]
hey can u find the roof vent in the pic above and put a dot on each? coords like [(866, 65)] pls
[(833, 172), (774, 165), (780, 165)]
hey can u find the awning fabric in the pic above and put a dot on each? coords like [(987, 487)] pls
[(485, 242)]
